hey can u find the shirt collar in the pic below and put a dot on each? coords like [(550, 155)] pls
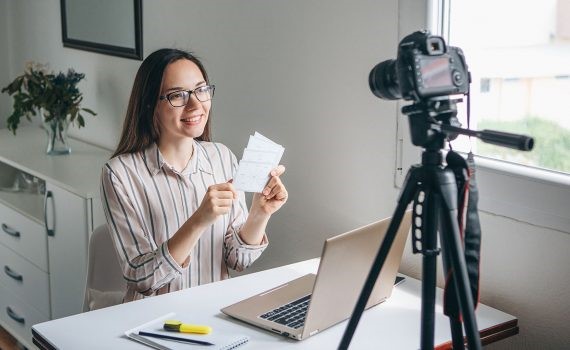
[(155, 161)]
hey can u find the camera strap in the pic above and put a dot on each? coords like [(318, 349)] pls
[(468, 196)]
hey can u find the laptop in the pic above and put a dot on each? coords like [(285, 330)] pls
[(310, 304)]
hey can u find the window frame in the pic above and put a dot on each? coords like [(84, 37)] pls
[(535, 196)]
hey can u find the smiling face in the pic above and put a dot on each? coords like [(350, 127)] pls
[(177, 123)]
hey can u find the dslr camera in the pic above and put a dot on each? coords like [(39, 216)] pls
[(425, 68)]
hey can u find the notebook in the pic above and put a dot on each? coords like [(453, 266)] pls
[(310, 304), (222, 338)]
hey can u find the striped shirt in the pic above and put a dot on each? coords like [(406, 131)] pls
[(146, 201)]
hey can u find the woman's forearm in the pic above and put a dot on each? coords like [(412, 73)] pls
[(254, 228), (183, 241)]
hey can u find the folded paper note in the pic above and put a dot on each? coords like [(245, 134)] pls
[(259, 158)]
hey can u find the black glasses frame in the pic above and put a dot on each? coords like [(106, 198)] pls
[(190, 92)]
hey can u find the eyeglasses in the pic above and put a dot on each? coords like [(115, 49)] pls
[(180, 98)]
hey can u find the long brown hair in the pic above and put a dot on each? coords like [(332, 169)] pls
[(140, 128)]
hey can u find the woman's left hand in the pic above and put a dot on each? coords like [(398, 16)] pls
[(274, 194)]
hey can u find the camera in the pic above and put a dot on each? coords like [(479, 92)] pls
[(425, 68)]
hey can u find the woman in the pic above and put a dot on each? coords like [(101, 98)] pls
[(173, 213)]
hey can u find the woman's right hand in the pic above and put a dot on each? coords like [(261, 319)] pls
[(217, 201)]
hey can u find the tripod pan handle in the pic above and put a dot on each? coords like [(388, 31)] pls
[(505, 139)]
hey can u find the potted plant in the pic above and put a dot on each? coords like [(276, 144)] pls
[(55, 96)]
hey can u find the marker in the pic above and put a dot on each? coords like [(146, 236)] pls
[(177, 326)]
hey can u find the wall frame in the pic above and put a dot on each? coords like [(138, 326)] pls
[(111, 27)]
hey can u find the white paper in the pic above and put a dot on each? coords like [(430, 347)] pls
[(255, 155), (252, 176), (260, 157)]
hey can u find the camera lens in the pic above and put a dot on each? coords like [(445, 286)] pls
[(383, 81)]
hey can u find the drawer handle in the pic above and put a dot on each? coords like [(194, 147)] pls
[(10, 231), (50, 231), (13, 274), (14, 315)]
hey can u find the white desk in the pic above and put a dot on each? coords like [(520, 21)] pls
[(393, 324)]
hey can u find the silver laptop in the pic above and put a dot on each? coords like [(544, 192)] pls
[(312, 303)]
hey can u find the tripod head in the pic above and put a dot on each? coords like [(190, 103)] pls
[(433, 121)]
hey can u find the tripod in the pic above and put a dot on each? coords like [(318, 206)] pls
[(434, 192)]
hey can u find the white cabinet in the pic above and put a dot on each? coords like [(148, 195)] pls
[(49, 205), (67, 246)]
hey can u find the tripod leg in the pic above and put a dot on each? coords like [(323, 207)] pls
[(406, 196), (452, 247), (454, 322), (430, 214), (456, 334)]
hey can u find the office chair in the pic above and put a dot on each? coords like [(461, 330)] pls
[(105, 284)]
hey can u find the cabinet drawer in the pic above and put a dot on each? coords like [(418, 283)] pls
[(18, 317), (24, 236), (24, 279)]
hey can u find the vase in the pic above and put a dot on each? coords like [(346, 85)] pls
[(57, 142)]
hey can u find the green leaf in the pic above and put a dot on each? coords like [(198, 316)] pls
[(89, 111), (57, 94), (81, 121)]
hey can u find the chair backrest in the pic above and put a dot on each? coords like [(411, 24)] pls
[(105, 283)]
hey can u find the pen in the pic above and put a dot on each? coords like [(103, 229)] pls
[(169, 337)]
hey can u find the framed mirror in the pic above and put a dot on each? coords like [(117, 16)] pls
[(112, 27)]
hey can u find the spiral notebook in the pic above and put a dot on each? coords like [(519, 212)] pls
[(221, 337)]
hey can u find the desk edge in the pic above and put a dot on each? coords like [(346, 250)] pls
[(491, 334)]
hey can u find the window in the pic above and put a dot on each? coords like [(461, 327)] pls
[(485, 85), (518, 54)]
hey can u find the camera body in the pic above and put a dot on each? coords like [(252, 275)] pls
[(425, 68)]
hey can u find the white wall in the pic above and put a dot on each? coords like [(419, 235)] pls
[(5, 100), (297, 72)]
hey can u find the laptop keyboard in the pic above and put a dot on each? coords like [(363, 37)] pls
[(291, 315)]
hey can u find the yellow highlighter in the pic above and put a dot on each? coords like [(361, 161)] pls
[(177, 326)]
